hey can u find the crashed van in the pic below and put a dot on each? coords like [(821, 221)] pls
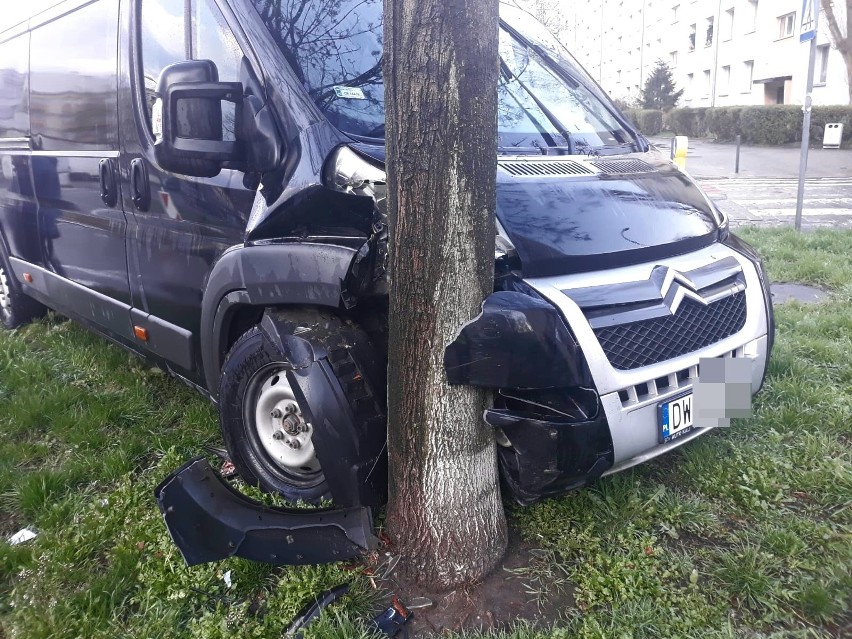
[(202, 182)]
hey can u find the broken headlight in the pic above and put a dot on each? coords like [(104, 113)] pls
[(348, 172)]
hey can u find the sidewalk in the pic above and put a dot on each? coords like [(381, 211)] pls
[(707, 159)]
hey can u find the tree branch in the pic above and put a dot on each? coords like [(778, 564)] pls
[(843, 44)]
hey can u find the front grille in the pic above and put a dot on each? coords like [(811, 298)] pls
[(694, 326)]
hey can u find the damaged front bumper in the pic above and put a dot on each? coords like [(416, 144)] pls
[(208, 521)]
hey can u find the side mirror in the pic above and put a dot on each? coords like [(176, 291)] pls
[(188, 121)]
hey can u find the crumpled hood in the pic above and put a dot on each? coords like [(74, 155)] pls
[(565, 215), (610, 218)]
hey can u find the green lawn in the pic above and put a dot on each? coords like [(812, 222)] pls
[(743, 533)]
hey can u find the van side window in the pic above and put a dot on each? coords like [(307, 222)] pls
[(163, 38), (14, 105), (73, 67), (212, 39), (164, 42)]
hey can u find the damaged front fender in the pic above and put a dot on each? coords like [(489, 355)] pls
[(209, 521)]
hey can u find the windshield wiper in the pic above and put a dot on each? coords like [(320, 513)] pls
[(541, 105), (574, 82)]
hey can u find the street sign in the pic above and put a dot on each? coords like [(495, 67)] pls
[(810, 10), (810, 24)]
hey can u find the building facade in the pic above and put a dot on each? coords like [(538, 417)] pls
[(722, 52)]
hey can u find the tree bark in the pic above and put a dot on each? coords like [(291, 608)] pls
[(445, 515), (842, 42)]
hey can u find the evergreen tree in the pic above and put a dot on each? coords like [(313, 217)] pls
[(659, 91)]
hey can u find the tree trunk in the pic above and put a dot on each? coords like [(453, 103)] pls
[(837, 15), (445, 515)]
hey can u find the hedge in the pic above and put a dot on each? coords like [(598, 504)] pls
[(688, 121), (770, 125), (648, 121)]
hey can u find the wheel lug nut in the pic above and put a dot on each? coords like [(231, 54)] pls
[(290, 408), (278, 435), (277, 414)]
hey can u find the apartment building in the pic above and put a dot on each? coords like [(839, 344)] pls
[(722, 52)]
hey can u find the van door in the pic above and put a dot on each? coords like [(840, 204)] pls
[(181, 224), (18, 207), (74, 161)]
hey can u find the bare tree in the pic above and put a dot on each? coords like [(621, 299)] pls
[(549, 13), (837, 12), (441, 71)]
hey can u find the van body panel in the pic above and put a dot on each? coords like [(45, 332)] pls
[(18, 204), (74, 127)]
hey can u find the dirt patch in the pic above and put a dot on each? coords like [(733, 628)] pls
[(783, 292), (496, 602)]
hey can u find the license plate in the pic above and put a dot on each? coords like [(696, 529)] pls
[(675, 417)]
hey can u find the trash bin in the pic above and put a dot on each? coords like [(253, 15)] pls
[(833, 135)]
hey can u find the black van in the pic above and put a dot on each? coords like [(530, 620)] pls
[(202, 182)]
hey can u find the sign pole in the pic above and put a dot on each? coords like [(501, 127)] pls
[(810, 22)]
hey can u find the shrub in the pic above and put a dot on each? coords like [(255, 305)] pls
[(822, 115), (688, 121), (724, 122), (648, 121), (772, 125)]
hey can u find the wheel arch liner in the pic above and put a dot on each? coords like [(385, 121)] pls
[(208, 521), (266, 275), (352, 457), (518, 341)]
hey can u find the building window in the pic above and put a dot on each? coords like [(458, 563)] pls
[(725, 83), (822, 63), (708, 41), (692, 32), (728, 25), (748, 75), (752, 16), (689, 86), (674, 13), (786, 25), (618, 75), (707, 82), (673, 59)]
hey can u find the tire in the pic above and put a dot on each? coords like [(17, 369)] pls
[(254, 384), (16, 308)]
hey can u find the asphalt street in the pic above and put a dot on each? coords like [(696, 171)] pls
[(764, 192), (772, 201)]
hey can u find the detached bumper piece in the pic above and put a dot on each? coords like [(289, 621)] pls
[(210, 521), (550, 441)]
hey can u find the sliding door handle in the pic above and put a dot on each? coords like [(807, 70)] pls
[(140, 189), (109, 188)]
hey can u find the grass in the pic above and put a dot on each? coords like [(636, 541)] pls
[(744, 533)]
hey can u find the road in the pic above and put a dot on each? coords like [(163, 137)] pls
[(772, 201)]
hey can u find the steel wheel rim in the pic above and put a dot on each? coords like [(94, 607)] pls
[(274, 416), (5, 294)]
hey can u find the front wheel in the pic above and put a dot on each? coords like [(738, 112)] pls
[(265, 430)]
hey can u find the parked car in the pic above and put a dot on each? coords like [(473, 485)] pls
[(202, 182)]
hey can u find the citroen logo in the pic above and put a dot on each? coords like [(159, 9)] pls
[(675, 287)]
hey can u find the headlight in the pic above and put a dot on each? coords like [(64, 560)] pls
[(348, 172)]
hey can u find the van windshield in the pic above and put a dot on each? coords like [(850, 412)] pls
[(545, 99)]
